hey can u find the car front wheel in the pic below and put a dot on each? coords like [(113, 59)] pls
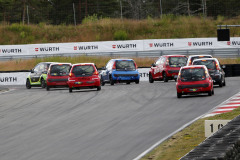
[(28, 84), (150, 78)]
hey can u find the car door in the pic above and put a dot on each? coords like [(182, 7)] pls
[(107, 69), (162, 66), (34, 74), (155, 69)]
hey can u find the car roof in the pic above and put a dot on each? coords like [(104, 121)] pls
[(122, 59), (194, 66), (60, 63), (215, 59), (174, 55), (200, 55), (79, 64)]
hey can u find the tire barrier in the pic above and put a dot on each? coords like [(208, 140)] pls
[(232, 70), (223, 145)]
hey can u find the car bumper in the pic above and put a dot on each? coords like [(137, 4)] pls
[(194, 90), (85, 84)]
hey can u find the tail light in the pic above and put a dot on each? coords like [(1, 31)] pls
[(95, 73), (71, 75), (135, 65), (217, 66), (167, 63), (114, 65)]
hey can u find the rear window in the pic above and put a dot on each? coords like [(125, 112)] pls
[(177, 61), (198, 57), (210, 64), (192, 74), (83, 70), (125, 65), (60, 70)]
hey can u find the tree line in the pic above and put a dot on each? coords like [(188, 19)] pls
[(75, 11)]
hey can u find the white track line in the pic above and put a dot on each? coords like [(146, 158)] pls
[(208, 114)]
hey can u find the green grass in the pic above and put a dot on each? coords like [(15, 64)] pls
[(100, 61), (184, 141)]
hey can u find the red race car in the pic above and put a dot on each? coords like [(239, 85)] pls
[(194, 79), (84, 75), (57, 75), (166, 68)]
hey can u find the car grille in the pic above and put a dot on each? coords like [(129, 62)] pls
[(57, 80), (125, 75), (193, 86)]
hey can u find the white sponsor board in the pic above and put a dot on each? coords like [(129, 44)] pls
[(19, 78), (144, 73), (118, 46), (13, 78)]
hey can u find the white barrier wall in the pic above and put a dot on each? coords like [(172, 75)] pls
[(118, 46), (19, 78), (13, 78)]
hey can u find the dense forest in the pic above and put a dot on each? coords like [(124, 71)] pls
[(75, 11)]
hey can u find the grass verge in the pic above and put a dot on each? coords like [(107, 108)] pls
[(184, 141), (100, 61)]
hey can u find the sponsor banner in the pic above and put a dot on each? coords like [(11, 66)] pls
[(13, 78), (118, 46), (19, 78), (144, 74)]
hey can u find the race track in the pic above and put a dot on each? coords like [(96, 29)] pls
[(117, 123)]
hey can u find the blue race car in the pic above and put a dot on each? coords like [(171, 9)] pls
[(120, 71)]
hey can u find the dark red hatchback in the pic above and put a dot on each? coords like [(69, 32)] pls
[(57, 75), (194, 79), (166, 68), (84, 76)]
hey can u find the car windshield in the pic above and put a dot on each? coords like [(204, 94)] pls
[(83, 70), (125, 65), (192, 74), (177, 61), (210, 64), (60, 70)]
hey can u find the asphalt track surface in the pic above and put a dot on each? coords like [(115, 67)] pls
[(117, 123)]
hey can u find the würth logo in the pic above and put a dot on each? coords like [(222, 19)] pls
[(47, 49), (86, 47), (8, 79), (235, 43), (125, 46), (157, 45), (200, 44), (228, 43), (10, 50)]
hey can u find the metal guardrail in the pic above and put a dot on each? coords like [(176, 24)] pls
[(220, 53)]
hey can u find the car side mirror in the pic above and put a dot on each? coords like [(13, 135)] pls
[(153, 65), (44, 72), (32, 71), (223, 66)]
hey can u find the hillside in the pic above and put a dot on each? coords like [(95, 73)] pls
[(115, 29)]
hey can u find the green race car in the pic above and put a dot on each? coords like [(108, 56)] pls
[(38, 75)]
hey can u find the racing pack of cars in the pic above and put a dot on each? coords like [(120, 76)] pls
[(193, 75)]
